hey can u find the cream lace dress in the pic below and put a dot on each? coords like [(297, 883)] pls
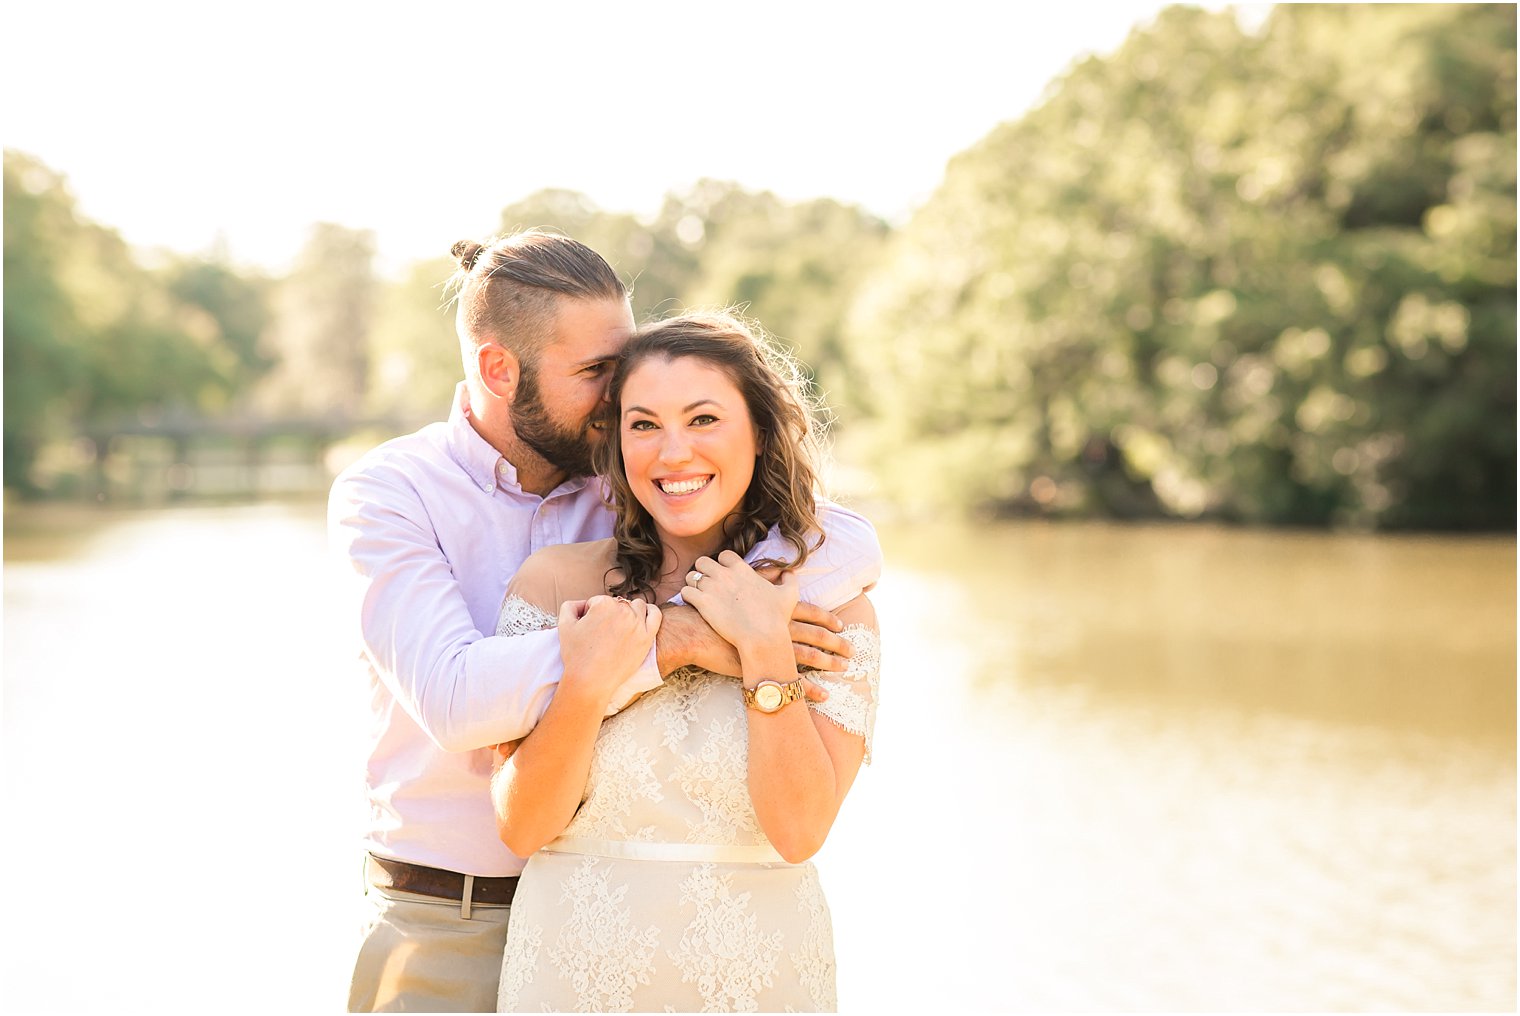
[(663, 894)]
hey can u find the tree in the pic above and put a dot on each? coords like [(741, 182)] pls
[(93, 337), (792, 267), (43, 338), (240, 306), (1265, 277), (324, 313), (651, 259), (414, 352)]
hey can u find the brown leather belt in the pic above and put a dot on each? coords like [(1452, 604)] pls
[(385, 873)]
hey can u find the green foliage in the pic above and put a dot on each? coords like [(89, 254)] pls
[(791, 267), (1265, 276), (1259, 277), (43, 340), (651, 259), (239, 305), (324, 311), (92, 337), (414, 351)]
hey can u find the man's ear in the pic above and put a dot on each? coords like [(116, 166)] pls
[(500, 370)]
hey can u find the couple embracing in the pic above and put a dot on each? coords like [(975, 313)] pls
[(622, 671)]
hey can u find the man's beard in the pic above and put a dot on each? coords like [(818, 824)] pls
[(565, 448)]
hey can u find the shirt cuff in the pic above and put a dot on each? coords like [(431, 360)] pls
[(646, 678)]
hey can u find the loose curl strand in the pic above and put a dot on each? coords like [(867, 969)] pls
[(781, 495)]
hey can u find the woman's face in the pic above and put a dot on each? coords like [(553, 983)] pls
[(689, 448)]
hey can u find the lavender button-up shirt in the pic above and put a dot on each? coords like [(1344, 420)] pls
[(432, 527)]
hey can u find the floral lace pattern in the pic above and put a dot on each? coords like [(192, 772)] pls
[(599, 951), (723, 951), (622, 770), (518, 967), (852, 694), (814, 962), (714, 778), (519, 617), (678, 704)]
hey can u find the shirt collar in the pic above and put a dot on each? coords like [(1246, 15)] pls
[(486, 466), (473, 453)]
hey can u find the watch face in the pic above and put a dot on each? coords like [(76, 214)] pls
[(768, 696)]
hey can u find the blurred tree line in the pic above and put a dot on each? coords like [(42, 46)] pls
[(91, 334), (1258, 275)]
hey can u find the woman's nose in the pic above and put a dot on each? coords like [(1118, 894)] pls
[(675, 447)]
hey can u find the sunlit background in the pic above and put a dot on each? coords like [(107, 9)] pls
[(1173, 350)]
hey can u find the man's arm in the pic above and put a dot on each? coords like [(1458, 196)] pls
[(465, 689), (846, 564)]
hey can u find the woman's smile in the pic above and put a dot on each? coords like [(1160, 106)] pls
[(676, 488)]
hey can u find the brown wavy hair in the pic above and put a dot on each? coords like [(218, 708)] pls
[(782, 492)]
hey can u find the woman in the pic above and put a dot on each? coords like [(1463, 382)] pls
[(669, 844)]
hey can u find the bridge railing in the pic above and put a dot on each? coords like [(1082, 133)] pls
[(174, 455)]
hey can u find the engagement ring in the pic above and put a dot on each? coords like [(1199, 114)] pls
[(694, 576)]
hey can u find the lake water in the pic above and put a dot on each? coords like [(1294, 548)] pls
[(1148, 768)]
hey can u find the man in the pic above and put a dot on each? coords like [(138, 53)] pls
[(433, 526)]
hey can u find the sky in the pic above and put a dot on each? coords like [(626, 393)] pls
[(186, 126)]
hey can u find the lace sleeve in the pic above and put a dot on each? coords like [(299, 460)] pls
[(518, 617), (852, 694)]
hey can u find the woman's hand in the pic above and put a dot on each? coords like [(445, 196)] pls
[(742, 606), (602, 641)]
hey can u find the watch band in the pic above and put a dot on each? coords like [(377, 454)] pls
[(772, 696)]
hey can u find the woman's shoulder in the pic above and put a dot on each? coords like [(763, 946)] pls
[(570, 555), (566, 571)]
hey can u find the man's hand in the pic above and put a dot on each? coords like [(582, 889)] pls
[(685, 639), (815, 639)]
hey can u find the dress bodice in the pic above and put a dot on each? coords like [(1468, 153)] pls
[(663, 892), (672, 768)]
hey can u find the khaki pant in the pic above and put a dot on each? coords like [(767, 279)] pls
[(421, 954)]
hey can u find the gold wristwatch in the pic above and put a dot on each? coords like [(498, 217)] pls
[(772, 696)]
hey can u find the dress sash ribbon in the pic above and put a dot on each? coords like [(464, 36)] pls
[(758, 853)]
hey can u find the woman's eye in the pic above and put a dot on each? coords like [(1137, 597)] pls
[(641, 425), (705, 418)]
